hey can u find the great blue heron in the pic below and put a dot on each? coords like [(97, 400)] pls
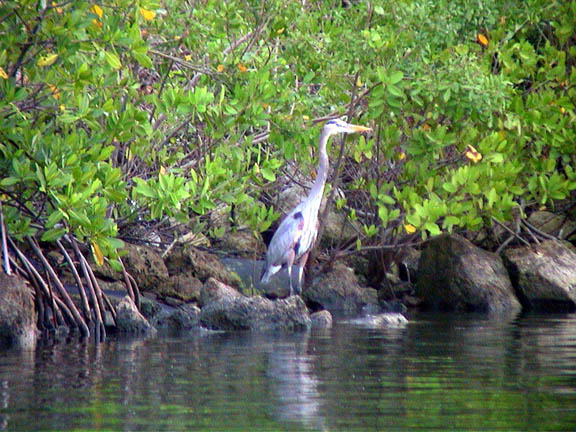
[(294, 238)]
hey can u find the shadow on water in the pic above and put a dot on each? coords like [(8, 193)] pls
[(438, 372)]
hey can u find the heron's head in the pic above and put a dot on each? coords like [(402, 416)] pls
[(337, 126)]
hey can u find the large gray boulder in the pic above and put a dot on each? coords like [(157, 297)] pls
[(17, 312), (456, 275), (339, 292), (226, 309), (544, 275)]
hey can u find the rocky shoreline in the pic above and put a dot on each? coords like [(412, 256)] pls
[(190, 289)]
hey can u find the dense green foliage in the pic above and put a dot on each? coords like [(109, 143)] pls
[(122, 110)]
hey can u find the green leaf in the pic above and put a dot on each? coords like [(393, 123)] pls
[(268, 174), (53, 234), (395, 77), (9, 181), (142, 59), (112, 60)]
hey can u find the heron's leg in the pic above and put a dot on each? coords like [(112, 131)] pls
[(290, 279), (301, 264)]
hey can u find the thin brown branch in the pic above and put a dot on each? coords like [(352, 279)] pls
[(91, 288), (79, 320), (78, 279), (5, 252)]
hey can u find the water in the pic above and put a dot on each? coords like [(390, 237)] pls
[(439, 372)]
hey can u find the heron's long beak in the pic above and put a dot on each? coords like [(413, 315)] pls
[(360, 129)]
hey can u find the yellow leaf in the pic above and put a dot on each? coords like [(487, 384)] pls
[(358, 81), (3, 73), (220, 68), (54, 90), (96, 10), (148, 15), (280, 30), (400, 155), (481, 39), (58, 9), (409, 228), (162, 170), (473, 154), (47, 60), (241, 67), (97, 253)]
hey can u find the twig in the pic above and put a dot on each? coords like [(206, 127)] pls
[(5, 256), (61, 290), (131, 285), (37, 280), (184, 63), (78, 280), (345, 253), (85, 270), (514, 234), (531, 227)]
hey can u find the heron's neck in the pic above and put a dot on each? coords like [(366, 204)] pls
[(321, 171)]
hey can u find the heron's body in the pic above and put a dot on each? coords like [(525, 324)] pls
[(296, 235)]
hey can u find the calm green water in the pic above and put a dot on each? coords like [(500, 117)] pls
[(440, 372)]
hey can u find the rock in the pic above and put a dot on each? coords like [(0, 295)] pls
[(249, 272), (390, 319), (338, 229), (544, 275), (201, 265), (408, 264), (184, 318), (149, 308), (146, 265), (230, 310), (456, 275), (184, 287), (17, 312), (339, 292), (130, 320), (243, 243), (214, 290), (321, 319), (553, 224)]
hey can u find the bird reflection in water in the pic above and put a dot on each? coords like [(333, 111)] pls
[(294, 383)]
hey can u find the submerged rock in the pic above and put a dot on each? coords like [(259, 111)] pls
[(383, 320), (130, 320), (321, 319), (544, 275), (339, 292), (226, 309), (183, 318), (456, 275), (17, 313)]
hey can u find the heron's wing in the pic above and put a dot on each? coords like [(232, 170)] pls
[(285, 238)]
